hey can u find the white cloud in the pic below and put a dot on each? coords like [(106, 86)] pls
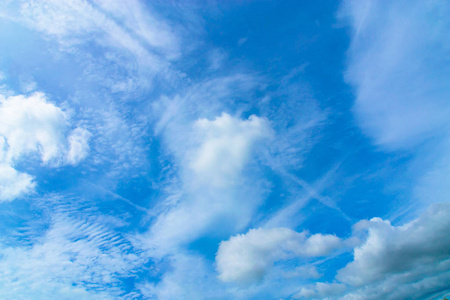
[(78, 145), (192, 277), (13, 183), (80, 256), (215, 154), (225, 145), (398, 66), (246, 258), (134, 44), (399, 70), (395, 262), (134, 28), (217, 158), (139, 18), (32, 125), (392, 250), (400, 73)]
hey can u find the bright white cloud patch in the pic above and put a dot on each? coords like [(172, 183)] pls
[(13, 183), (390, 249), (408, 255), (225, 146), (246, 258), (395, 262), (212, 183), (32, 125)]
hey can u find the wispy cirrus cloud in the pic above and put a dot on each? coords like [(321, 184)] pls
[(109, 23), (136, 42), (80, 254), (397, 69), (397, 64)]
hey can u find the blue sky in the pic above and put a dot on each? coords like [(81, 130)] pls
[(224, 149)]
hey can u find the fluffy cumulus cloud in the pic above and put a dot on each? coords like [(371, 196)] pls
[(31, 126), (395, 262), (415, 256), (225, 145), (246, 258), (13, 183), (389, 249), (211, 179)]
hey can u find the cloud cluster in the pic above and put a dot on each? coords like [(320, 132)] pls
[(415, 256), (395, 262), (246, 258), (389, 262), (398, 67), (217, 164), (33, 126), (390, 249), (217, 157)]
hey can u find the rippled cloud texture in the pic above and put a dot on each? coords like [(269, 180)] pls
[(224, 150)]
